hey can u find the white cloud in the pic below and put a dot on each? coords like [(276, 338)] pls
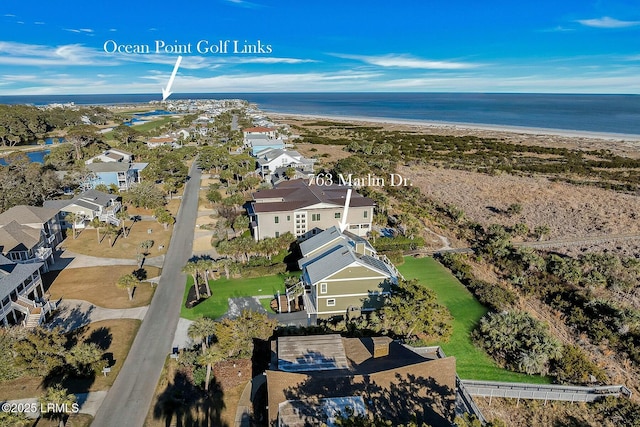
[(79, 30), (12, 53), (607, 22), (407, 61), (245, 4), (235, 59)]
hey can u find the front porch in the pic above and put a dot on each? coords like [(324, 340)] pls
[(26, 305)]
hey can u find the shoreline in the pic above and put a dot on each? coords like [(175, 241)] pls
[(459, 126)]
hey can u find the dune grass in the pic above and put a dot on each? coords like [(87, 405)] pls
[(472, 362)]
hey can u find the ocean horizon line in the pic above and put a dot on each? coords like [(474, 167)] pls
[(613, 114)]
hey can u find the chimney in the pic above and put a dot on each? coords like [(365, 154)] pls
[(380, 346)]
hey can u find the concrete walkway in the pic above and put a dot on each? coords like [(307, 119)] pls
[(75, 313), (181, 338), (245, 404), (88, 403), (70, 259)]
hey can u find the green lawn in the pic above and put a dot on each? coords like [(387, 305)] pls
[(472, 363), (223, 289), (144, 127)]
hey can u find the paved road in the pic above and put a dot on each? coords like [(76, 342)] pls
[(130, 398)]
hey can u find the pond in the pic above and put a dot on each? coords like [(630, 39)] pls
[(34, 156)]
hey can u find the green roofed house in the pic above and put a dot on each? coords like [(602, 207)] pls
[(342, 273)]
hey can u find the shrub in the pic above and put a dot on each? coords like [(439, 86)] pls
[(574, 367), (518, 341)]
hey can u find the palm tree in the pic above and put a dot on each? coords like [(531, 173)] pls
[(201, 329), (95, 223), (61, 399), (192, 268), (224, 262), (209, 358), (72, 217), (122, 216), (110, 231), (128, 282), (207, 265), (145, 246)]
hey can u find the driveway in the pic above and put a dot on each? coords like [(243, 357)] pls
[(75, 313), (131, 395)]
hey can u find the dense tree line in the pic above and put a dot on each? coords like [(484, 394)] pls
[(22, 124), (23, 182)]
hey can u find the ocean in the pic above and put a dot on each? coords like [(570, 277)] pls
[(589, 113)]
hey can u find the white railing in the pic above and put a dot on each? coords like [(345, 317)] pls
[(27, 301), (389, 265), (309, 306)]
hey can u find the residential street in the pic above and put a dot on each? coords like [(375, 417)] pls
[(130, 398)]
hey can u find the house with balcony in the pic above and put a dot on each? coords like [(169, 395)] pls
[(29, 234), (341, 274), (270, 160), (22, 297), (123, 175), (301, 209), (87, 206)]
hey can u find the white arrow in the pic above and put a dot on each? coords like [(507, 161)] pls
[(167, 92)]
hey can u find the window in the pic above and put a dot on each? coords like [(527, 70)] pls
[(336, 215), (366, 213), (277, 234), (331, 302), (288, 218), (276, 219), (323, 288), (315, 217)]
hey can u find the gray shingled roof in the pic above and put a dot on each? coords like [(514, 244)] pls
[(14, 236), (24, 214), (90, 199), (108, 167), (12, 274)]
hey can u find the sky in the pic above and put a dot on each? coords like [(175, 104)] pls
[(560, 46)]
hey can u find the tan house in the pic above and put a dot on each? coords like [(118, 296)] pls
[(342, 273), (314, 379), (303, 210), (29, 234)]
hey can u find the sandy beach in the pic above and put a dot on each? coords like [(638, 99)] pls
[(624, 144)]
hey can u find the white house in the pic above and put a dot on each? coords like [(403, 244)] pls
[(270, 159), (112, 155)]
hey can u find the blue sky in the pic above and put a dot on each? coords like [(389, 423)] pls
[(559, 46)]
